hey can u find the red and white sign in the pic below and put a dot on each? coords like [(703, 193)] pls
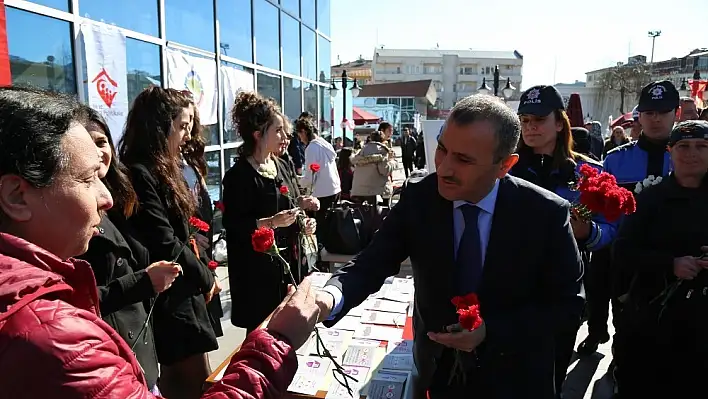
[(107, 74)]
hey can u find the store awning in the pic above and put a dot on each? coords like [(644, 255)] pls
[(362, 117)]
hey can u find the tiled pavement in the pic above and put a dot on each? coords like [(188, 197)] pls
[(587, 378)]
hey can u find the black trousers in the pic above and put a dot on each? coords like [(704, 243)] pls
[(598, 285), (407, 166), (565, 345), (442, 388)]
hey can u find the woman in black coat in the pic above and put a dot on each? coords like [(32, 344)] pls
[(252, 199), (126, 280), (157, 126)]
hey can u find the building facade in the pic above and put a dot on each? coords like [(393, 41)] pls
[(359, 70), (284, 45), (455, 73)]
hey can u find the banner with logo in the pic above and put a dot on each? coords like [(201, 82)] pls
[(106, 74), (197, 75), (234, 81)]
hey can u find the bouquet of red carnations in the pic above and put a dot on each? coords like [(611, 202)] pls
[(600, 194)]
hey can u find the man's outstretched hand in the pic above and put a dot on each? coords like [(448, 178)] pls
[(297, 315), (466, 341)]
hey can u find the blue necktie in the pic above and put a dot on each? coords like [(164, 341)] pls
[(469, 252)]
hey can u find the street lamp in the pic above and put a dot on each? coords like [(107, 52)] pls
[(355, 89), (507, 91)]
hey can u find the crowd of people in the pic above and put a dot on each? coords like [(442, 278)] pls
[(108, 289)]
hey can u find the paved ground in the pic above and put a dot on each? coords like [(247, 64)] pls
[(586, 379)]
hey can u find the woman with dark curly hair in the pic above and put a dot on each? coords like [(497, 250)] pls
[(259, 191), (158, 125)]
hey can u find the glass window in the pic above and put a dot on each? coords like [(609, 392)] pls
[(230, 155), (292, 103), (213, 177), (326, 116), (291, 44), (230, 134), (311, 98), (324, 50), (143, 63), (190, 25), (62, 5), (265, 21), (307, 12), (235, 25), (211, 134), (309, 53), (291, 6), (269, 86), (41, 60), (137, 15), (323, 17)]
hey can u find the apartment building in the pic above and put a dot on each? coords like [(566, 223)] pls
[(455, 73), (359, 70)]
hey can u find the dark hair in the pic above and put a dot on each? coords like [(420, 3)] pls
[(477, 108), (33, 124), (306, 114), (377, 137), (253, 113), (344, 158), (193, 149), (116, 179), (383, 126), (308, 126), (145, 141)]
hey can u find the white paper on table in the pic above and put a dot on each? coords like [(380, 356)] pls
[(403, 284), (221, 374), (402, 347), (360, 353), (385, 306), (385, 318), (410, 309), (334, 340), (379, 333), (356, 312), (398, 362), (310, 375), (398, 296), (319, 279), (381, 292), (339, 391), (349, 323)]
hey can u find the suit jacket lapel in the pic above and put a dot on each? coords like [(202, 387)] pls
[(502, 229)]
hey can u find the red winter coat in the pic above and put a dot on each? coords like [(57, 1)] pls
[(54, 344)]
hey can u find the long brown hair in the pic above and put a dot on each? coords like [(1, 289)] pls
[(563, 151), (145, 141), (116, 180), (193, 150)]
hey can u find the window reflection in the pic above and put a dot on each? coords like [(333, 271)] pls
[(310, 95), (230, 155), (309, 53), (213, 177), (323, 16), (235, 29), (269, 86), (291, 44), (307, 12), (143, 64), (291, 6), (324, 59), (210, 133), (189, 24), (62, 5), (292, 102), (326, 115), (137, 15), (45, 60), (230, 133), (265, 21)]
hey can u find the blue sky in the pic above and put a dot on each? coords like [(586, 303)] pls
[(558, 38)]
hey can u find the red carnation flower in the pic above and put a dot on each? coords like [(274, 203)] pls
[(284, 190), (263, 239), (199, 224), (219, 205), (212, 265), (469, 318), (315, 167), (466, 301)]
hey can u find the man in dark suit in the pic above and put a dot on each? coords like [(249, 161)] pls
[(480, 230), (408, 147)]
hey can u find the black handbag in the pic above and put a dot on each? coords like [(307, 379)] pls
[(342, 227)]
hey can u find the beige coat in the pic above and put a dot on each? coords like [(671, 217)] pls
[(372, 168)]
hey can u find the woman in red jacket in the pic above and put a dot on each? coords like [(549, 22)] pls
[(53, 342)]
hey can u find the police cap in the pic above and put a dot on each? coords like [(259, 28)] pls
[(660, 96), (696, 129), (540, 101)]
